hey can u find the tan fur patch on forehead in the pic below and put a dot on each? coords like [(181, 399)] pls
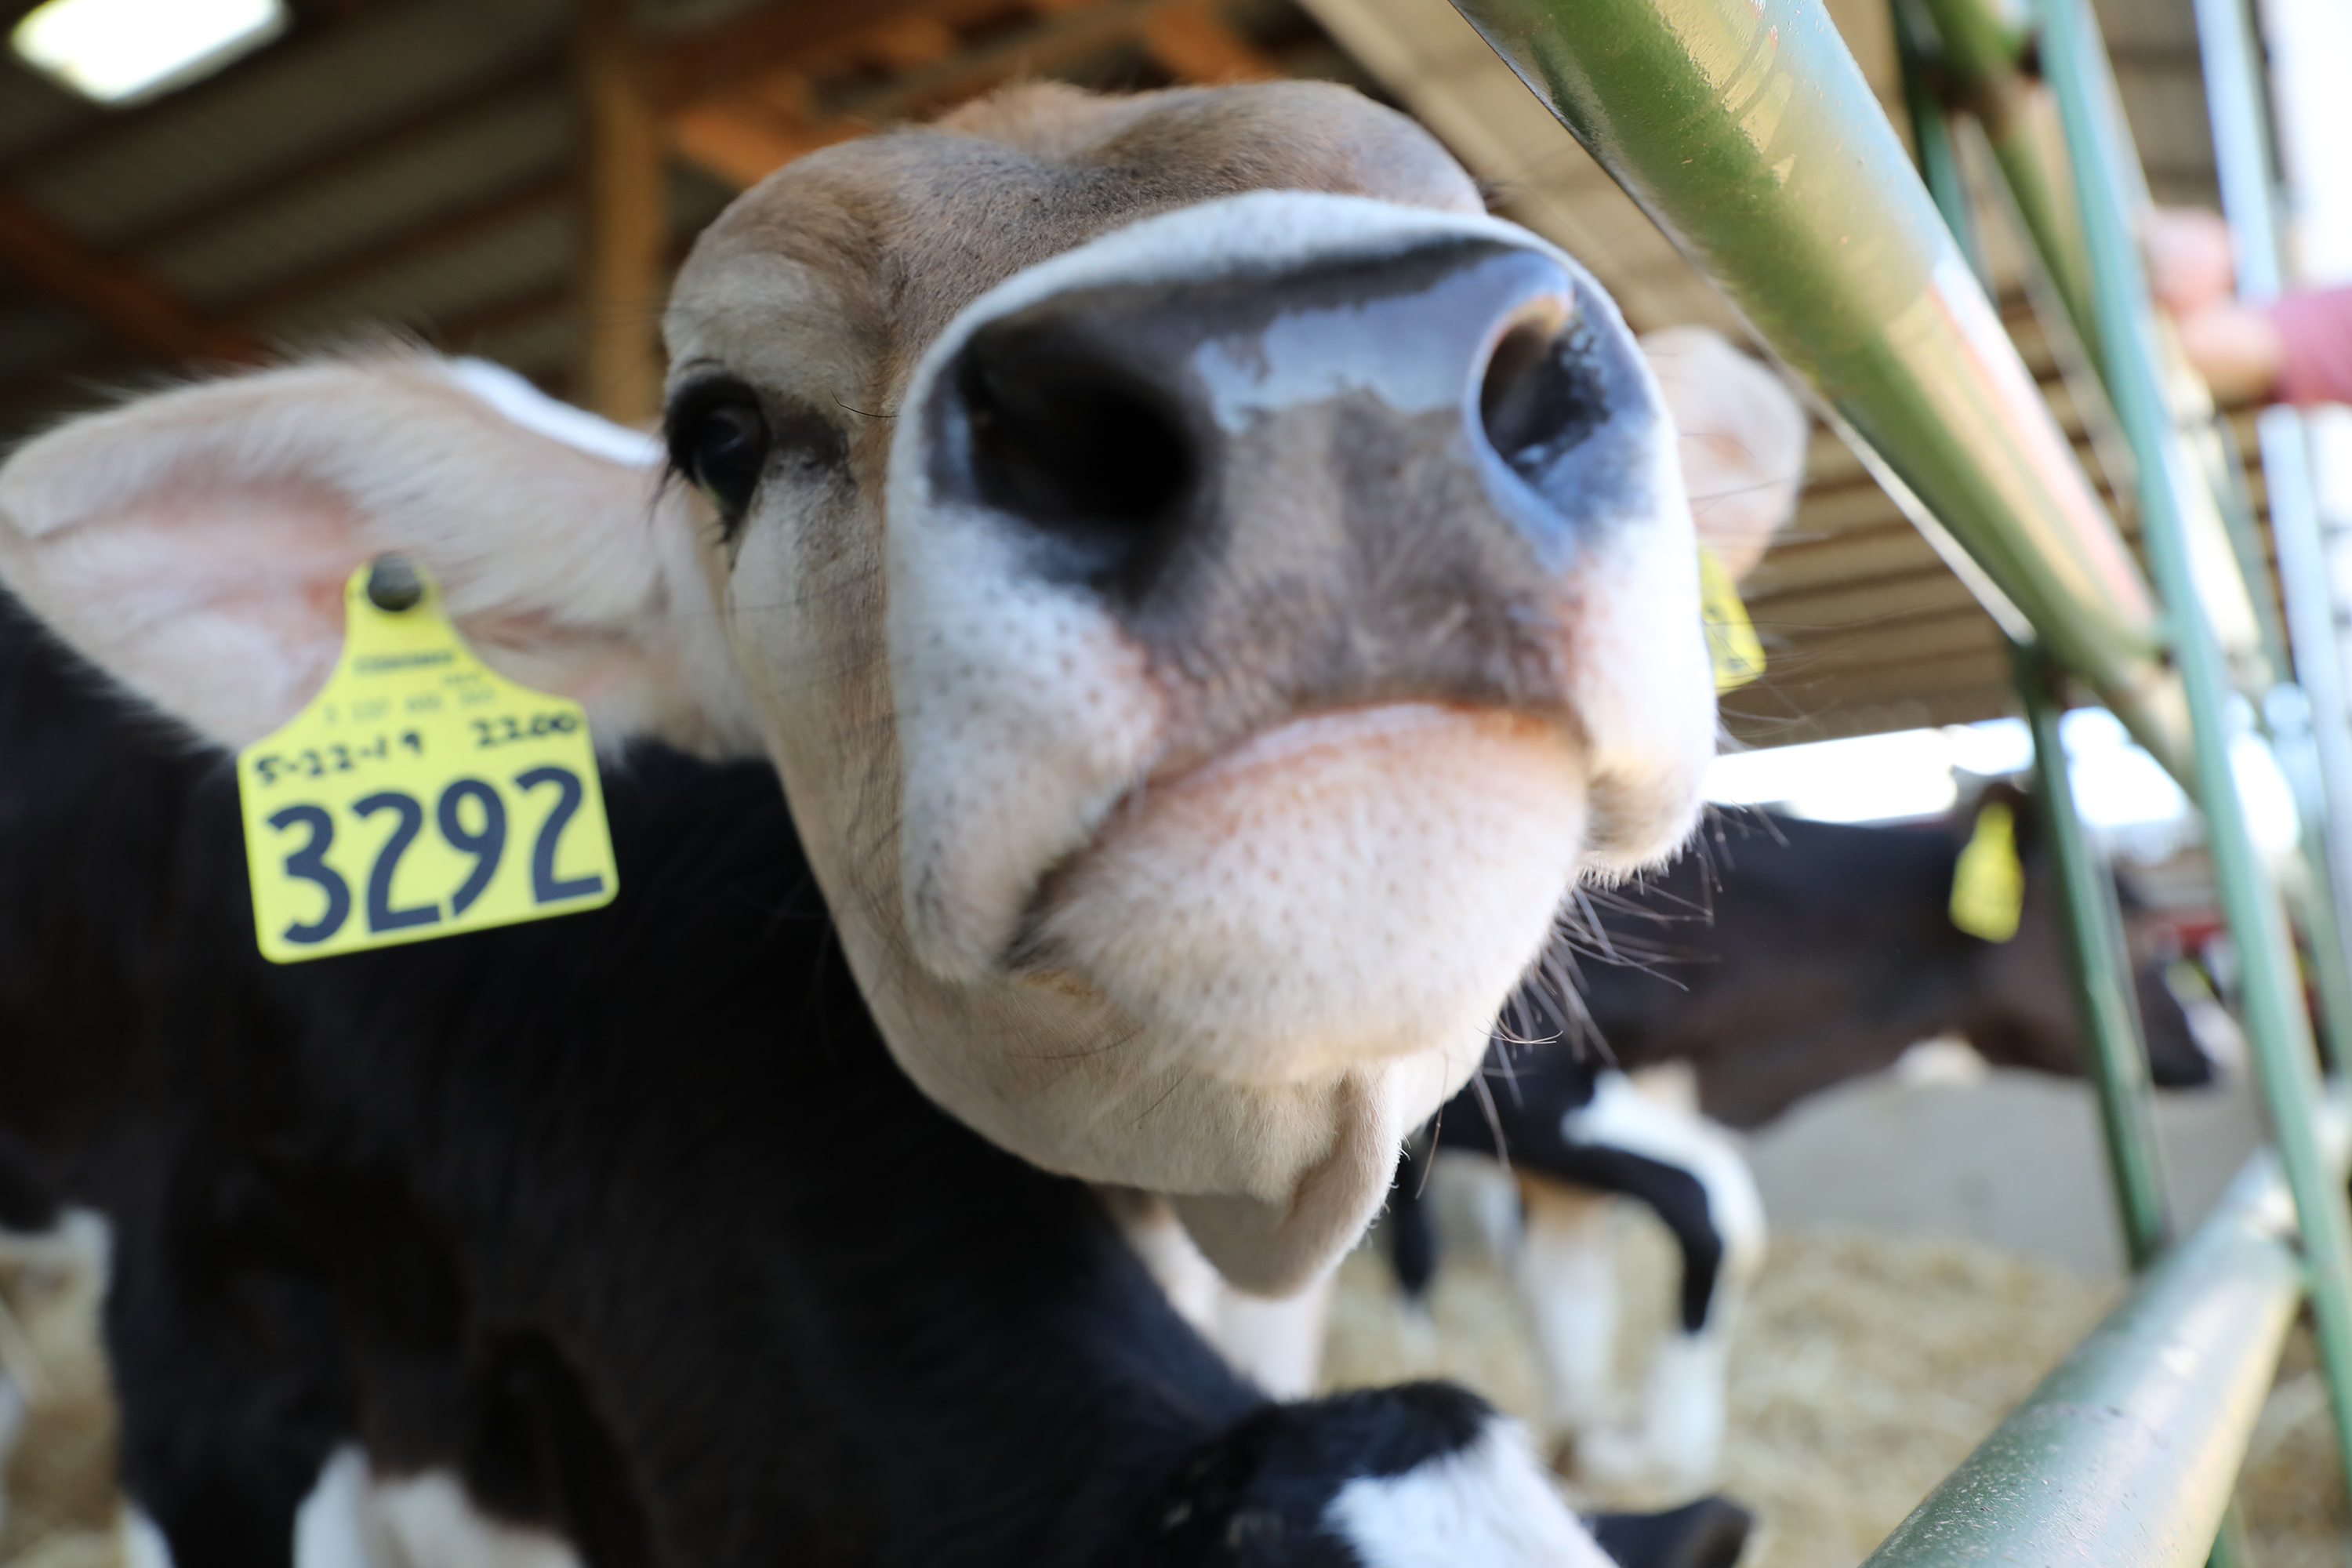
[(907, 227)]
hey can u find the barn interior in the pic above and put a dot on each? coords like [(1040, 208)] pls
[(518, 179)]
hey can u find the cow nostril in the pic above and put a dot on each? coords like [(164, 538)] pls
[(1541, 394), (1080, 452)]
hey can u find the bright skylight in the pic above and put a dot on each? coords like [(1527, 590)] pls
[(121, 51), (1876, 778)]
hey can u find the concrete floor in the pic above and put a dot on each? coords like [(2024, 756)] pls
[(2013, 1159)]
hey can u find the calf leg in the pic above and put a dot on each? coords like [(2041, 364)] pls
[(1692, 1175), (1568, 1277)]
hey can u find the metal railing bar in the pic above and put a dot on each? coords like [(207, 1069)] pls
[(1748, 133), (2098, 962), (1983, 41), (2242, 157), (1984, 44), (2276, 1025), (2128, 1450), (2114, 1041), (1931, 134)]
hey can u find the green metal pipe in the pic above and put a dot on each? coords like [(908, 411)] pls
[(2114, 1041), (1983, 42), (2128, 1452), (1746, 130), (1931, 132), (2277, 1029), (2242, 155)]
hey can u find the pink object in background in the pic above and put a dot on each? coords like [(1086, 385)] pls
[(2314, 333)]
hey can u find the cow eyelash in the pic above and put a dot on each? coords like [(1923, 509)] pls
[(724, 441)]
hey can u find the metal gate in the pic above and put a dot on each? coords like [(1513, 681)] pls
[(1746, 131)]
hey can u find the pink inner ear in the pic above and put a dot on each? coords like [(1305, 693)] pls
[(222, 602)]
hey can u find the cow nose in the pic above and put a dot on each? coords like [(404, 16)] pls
[(1078, 445), (1123, 430)]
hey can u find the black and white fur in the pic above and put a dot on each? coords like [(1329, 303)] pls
[(1574, 1135), (616, 1239)]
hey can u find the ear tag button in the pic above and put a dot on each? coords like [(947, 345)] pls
[(420, 794), (1731, 643), (1989, 883)]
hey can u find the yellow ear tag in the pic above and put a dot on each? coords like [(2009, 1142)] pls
[(1731, 642), (419, 794), (1988, 884)]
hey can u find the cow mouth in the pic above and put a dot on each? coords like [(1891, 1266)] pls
[(1342, 885)]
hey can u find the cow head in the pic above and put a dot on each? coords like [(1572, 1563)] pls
[(1209, 589), (2026, 1012)]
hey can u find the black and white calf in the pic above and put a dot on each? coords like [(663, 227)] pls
[(1208, 588), (1208, 592), (1801, 955), (618, 1238)]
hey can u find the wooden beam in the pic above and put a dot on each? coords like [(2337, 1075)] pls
[(740, 135), (626, 222), (705, 65), (458, 334), (437, 116), (82, 376), (1195, 42), (476, 213), (742, 141), (909, 43), (133, 309)]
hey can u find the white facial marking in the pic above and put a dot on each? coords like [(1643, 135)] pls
[(1490, 1504)]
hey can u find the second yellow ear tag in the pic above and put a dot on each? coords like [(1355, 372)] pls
[(1989, 883), (1731, 642), (420, 794)]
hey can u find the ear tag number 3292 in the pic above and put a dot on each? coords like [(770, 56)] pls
[(419, 794)]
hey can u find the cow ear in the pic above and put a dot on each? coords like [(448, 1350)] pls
[(1742, 441), (194, 544)]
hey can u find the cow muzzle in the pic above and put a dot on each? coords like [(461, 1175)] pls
[(1270, 584)]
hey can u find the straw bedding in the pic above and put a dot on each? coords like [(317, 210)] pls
[(61, 1509), (1866, 1367)]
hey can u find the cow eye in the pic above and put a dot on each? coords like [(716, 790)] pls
[(720, 442)]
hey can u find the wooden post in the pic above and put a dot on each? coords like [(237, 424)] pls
[(624, 220)]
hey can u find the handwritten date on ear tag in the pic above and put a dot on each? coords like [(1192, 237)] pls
[(1731, 643), (420, 794)]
